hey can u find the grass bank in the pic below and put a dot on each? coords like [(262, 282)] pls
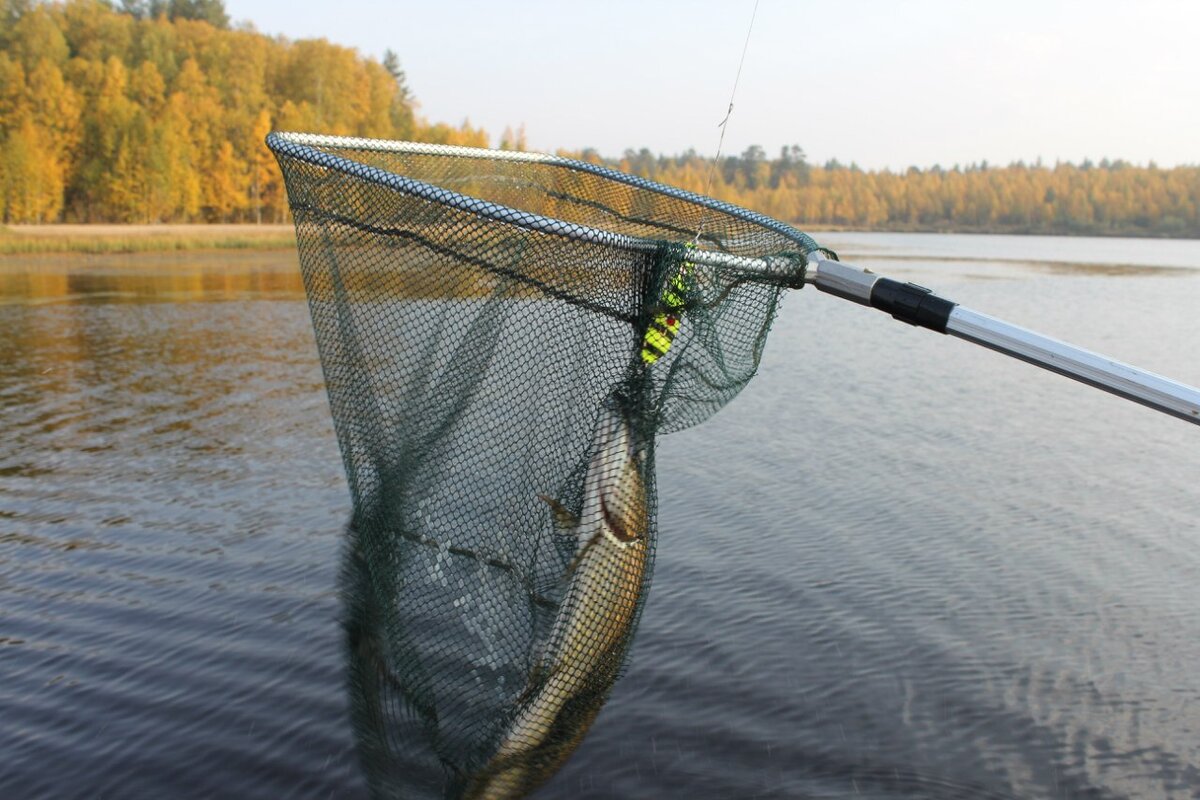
[(104, 239)]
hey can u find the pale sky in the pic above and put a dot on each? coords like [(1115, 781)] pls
[(886, 84)]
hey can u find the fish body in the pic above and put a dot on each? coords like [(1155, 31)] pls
[(584, 649)]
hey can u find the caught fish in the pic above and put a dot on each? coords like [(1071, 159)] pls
[(583, 652)]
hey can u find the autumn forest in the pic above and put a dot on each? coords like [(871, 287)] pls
[(156, 110)]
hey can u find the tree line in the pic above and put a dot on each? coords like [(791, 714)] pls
[(156, 110), (1105, 198)]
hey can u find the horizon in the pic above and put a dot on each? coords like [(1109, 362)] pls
[(928, 84)]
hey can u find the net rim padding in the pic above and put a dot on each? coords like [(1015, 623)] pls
[(305, 147)]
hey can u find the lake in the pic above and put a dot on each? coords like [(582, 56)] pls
[(896, 566)]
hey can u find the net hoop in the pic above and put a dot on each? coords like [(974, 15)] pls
[(306, 147)]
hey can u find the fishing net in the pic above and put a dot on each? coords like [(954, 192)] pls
[(503, 335)]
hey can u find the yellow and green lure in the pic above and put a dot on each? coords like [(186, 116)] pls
[(664, 326)]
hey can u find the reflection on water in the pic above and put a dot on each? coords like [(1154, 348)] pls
[(1028, 249), (149, 278), (1013, 267), (897, 566), (170, 502)]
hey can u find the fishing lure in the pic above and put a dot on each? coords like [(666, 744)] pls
[(664, 325)]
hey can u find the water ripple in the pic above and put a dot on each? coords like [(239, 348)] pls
[(895, 567)]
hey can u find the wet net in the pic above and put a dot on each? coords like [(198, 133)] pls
[(502, 336)]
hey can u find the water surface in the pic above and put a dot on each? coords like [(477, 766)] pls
[(897, 566)]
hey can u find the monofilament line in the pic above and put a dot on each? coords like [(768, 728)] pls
[(723, 125)]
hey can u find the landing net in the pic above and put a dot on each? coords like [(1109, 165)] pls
[(503, 335)]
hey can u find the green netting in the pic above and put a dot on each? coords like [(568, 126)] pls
[(502, 337)]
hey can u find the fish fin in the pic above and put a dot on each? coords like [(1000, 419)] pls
[(564, 520), (580, 554)]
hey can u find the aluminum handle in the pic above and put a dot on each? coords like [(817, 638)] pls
[(1132, 383), (864, 287)]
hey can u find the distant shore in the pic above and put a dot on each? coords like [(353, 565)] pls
[(1004, 230), (109, 239), (25, 240)]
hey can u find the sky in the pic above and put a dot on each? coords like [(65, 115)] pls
[(886, 84)]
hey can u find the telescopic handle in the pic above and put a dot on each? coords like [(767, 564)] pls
[(916, 305)]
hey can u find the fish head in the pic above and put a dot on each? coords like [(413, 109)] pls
[(615, 489)]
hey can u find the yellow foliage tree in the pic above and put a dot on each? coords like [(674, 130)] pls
[(265, 185), (224, 192), (31, 180)]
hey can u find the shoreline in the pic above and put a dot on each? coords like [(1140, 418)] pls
[(108, 239), (69, 239), (1002, 230)]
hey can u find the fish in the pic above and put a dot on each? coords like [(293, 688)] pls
[(590, 632)]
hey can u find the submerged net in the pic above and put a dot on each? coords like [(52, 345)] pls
[(502, 336)]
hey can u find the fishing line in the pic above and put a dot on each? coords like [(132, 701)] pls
[(723, 124)]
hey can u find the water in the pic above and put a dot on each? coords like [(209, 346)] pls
[(896, 566)]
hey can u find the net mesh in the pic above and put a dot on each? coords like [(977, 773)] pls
[(502, 337)]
